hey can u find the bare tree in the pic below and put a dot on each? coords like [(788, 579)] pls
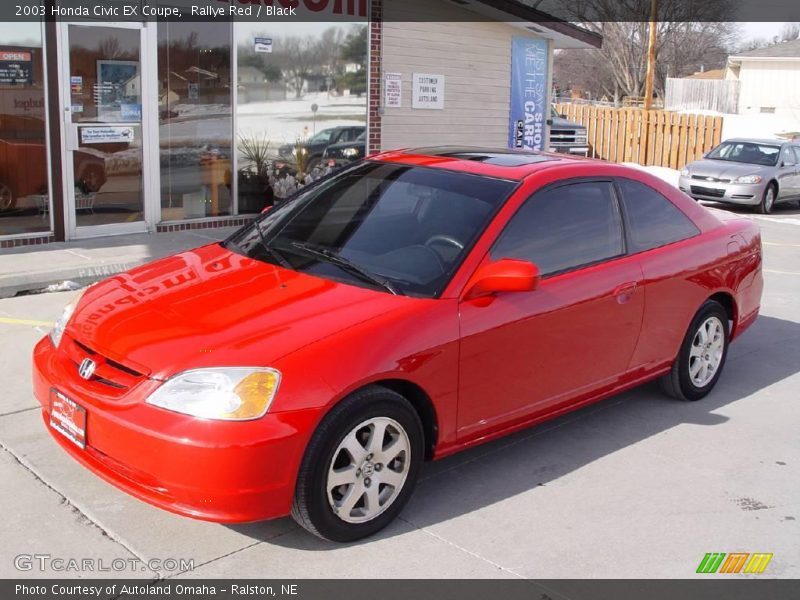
[(691, 36), (790, 31), (296, 57)]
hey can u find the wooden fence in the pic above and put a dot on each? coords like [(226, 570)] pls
[(646, 137)]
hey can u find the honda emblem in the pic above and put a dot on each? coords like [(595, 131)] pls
[(87, 367)]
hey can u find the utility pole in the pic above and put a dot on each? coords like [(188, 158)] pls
[(651, 56)]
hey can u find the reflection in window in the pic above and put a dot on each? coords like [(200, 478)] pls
[(563, 228), (24, 199), (195, 131), (302, 105)]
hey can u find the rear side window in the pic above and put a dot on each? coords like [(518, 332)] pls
[(653, 220), (563, 228)]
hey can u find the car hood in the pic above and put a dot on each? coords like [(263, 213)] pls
[(211, 307), (721, 169), (562, 123)]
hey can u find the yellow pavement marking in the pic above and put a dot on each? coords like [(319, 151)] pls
[(781, 272), (7, 321)]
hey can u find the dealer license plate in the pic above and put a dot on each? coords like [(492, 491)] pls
[(68, 418)]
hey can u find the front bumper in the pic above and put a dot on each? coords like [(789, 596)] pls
[(732, 193), (228, 472), (578, 149)]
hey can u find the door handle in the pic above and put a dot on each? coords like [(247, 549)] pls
[(624, 292)]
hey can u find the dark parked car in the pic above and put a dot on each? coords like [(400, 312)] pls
[(315, 146), (346, 152), (567, 136)]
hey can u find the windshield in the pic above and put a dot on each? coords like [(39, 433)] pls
[(322, 136), (396, 228), (751, 153)]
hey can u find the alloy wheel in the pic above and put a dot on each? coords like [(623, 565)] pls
[(368, 470), (705, 355)]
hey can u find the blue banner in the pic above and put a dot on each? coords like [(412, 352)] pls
[(528, 114)]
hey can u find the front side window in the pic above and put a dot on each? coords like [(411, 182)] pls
[(653, 220), (563, 228), (402, 228)]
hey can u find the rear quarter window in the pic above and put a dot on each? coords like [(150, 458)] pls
[(652, 219)]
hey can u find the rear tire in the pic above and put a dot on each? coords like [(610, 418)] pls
[(701, 358), (767, 200), (352, 483)]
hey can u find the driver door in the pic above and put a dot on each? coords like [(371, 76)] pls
[(528, 353)]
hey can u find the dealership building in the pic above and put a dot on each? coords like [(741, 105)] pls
[(141, 126)]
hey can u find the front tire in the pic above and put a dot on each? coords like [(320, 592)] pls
[(360, 467), (701, 358), (767, 200)]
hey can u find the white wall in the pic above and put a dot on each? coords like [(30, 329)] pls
[(475, 59), (766, 83)]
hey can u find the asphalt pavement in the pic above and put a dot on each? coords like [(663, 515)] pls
[(635, 486)]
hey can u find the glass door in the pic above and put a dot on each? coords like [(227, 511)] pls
[(107, 112)]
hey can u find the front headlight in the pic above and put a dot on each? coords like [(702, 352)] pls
[(748, 179), (685, 172), (61, 324), (350, 152), (224, 393)]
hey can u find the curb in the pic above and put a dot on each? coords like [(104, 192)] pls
[(11, 285)]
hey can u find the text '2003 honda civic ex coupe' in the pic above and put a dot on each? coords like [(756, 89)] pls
[(409, 306)]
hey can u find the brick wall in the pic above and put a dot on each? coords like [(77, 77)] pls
[(375, 66)]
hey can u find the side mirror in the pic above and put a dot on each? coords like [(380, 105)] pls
[(504, 275)]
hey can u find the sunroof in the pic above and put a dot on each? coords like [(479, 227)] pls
[(500, 158)]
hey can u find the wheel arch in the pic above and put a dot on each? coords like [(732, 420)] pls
[(422, 404), (728, 302)]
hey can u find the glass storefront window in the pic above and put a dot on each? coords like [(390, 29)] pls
[(301, 108), (24, 194), (195, 123), (105, 79)]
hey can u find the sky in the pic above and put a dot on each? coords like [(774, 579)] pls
[(761, 30)]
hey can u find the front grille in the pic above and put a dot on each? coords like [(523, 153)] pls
[(710, 179), (112, 377), (712, 192), (562, 135), (704, 191)]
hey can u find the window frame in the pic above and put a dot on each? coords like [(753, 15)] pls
[(629, 227), (616, 201)]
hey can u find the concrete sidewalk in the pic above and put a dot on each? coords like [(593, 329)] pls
[(85, 261)]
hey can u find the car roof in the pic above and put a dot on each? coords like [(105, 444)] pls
[(500, 163), (768, 141)]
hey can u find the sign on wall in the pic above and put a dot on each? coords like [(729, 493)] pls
[(263, 45), (393, 86), (106, 135), (528, 111), (427, 91), (16, 68)]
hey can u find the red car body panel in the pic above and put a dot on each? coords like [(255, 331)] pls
[(586, 334)]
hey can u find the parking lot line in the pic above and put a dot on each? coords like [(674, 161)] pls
[(779, 244), (781, 272), (28, 322)]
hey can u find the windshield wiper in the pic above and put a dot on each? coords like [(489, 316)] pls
[(269, 249), (343, 263)]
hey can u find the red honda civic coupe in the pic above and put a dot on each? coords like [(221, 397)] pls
[(412, 305)]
